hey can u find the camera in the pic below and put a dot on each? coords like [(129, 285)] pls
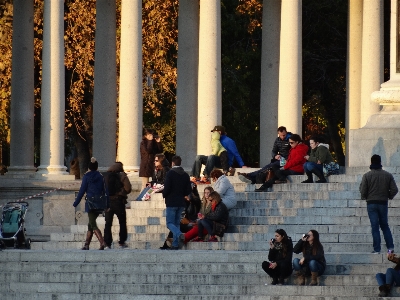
[(305, 236), (272, 240), (390, 251)]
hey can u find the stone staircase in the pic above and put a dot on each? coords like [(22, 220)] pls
[(57, 270)]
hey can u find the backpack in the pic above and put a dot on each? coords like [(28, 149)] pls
[(114, 183)]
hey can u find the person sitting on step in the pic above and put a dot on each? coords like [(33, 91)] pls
[(280, 256), (280, 152), (293, 166), (217, 217), (319, 156), (313, 260), (385, 281), (224, 188)]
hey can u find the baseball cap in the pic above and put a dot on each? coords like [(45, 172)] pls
[(219, 128)]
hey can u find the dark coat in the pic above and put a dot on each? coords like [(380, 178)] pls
[(148, 150), (176, 187), (93, 185), (220, 214), (159, 175), (377, 186), (284, 262), (307, 253), (281, 147)]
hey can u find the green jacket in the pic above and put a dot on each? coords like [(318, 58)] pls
[(321, 153), (216, 145)]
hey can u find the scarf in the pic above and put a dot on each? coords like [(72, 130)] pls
[(213, 205)]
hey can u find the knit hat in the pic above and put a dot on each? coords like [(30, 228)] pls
[(375, 159), (93, 165)]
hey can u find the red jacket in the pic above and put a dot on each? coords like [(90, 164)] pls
[(296, 158)]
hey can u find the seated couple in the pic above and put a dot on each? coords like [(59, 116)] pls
[(224, 151)]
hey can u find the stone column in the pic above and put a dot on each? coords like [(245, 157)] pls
[(105, 85), (131, 93), (53, 90), (269, 77), (186, 92), (372, 56), (22, 97), (290, 70), (209, 88), (354, 66)]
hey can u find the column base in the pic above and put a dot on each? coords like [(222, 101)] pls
[(379, 136), (53, 173)]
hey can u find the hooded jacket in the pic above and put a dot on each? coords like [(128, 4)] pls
[(126, 184), (226, 190), (216, 145), (321, 153), (296, 158), (176, 187)]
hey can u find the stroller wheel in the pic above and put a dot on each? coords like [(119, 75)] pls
[(28, 243)]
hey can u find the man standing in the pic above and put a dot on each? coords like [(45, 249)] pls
[(119, 187), (377, 186), (213, 161), (176, 187), (279, 150)]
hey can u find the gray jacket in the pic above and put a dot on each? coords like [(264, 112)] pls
[(378, 185), (226, 190)]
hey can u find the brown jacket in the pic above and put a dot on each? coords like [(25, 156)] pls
[(127, 187)]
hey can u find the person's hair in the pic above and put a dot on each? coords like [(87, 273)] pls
[(316, 243), (214, 195), (316, 139), (217, 173), (176, 160), (207, 188), (281, 129), (93, 164), (160, 157), (295, 137), (284, 241), (122, 165), (147, 131)]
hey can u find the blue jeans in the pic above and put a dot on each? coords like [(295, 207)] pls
[(211, 162), (391, 276), (205, 224), (309, 166), (378, 216), (174, 223), (313, 265)]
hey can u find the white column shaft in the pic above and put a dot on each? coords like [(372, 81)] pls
[(209, 88), (131, 91), (290, 70), (105, 85), (22, 82), (53, 89), (269, 77), (354, 66), (372, 56), (186, 94)]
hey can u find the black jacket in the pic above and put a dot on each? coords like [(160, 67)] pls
[(281, 147), (220, 214), (176, 187), (276, 255), (308, 256), (159, 175)]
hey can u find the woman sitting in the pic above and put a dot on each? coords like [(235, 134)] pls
[(214, 221), (161, 168), (280, 255), (224, 188), (392, 276), (319, 156), (313, 260), (294, 163)]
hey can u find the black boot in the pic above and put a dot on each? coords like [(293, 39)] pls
[(264, 187), (383, 290), (274, 281), (309, 178), (97, 232), (89, 236), (281, 281), (320, 175)]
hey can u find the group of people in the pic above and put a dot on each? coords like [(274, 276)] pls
[(279, 264), (290, 156)]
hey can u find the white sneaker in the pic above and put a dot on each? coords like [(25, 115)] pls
[(244, 179)]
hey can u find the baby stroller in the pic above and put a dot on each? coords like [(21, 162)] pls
[(12, 230)]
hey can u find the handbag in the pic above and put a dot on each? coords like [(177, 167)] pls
[(218, 229), (331, 168), (185, 221), (97, 203), (270, 174)]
